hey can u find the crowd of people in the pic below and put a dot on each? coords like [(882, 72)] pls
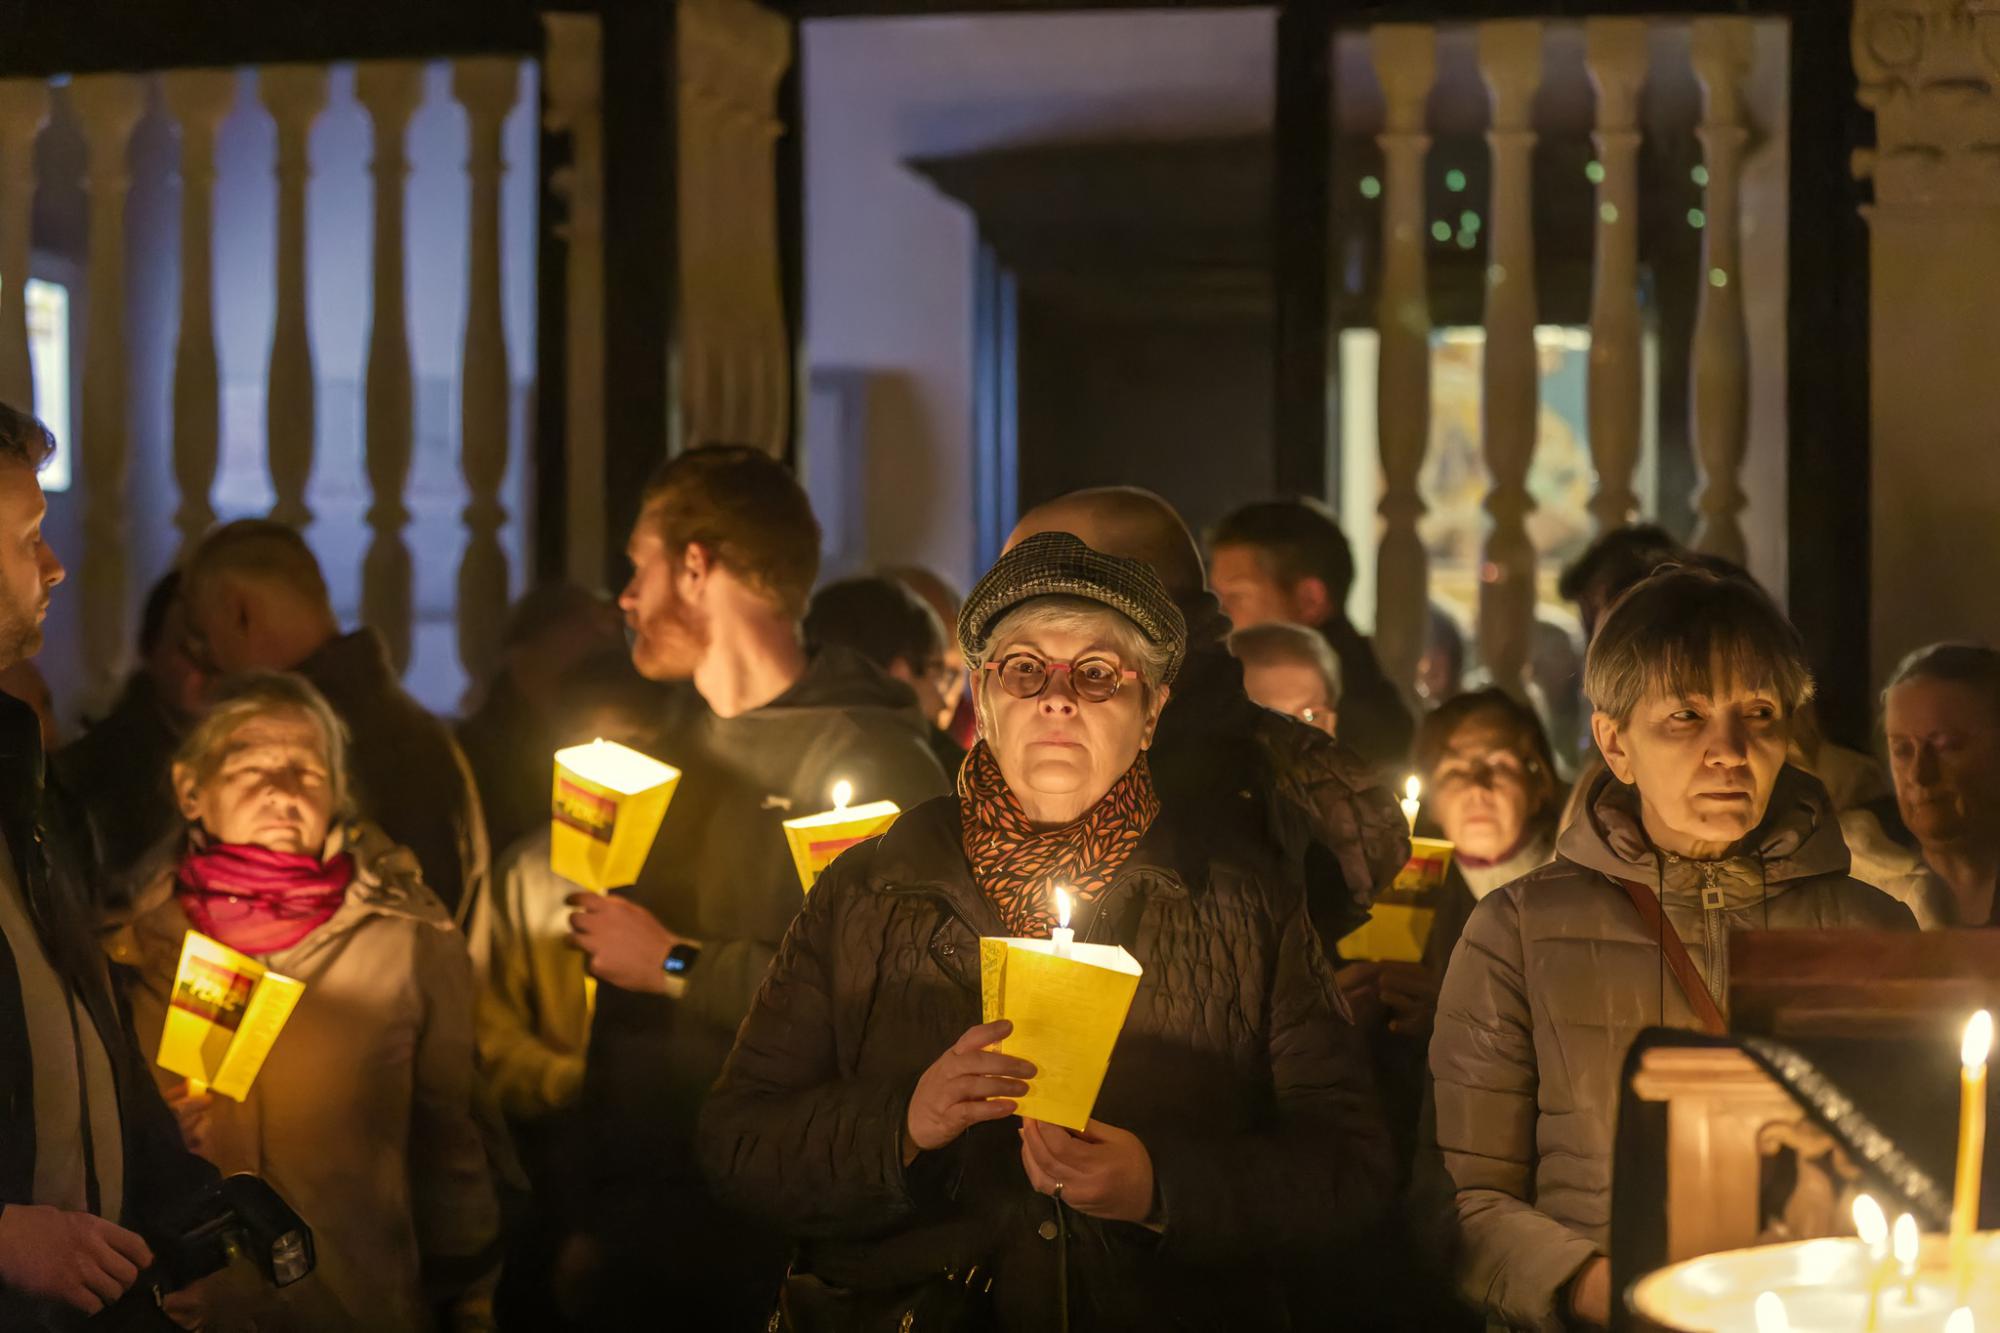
[(706, 1101)]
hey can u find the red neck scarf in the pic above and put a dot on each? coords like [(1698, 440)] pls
[(258, 901), (1018, 868)]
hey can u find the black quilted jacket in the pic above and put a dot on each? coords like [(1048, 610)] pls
[(1237, 1068)]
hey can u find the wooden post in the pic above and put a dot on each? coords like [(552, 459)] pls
[(573, 79), (199, 99), (1615, 52), (1720, 407), (294, 95)]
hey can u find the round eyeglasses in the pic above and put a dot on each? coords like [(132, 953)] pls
[(1026, 675)]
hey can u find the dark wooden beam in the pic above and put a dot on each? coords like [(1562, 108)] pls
[(1827, 457), (1301, 245), (791, 168)]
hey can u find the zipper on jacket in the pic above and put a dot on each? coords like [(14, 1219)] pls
[(1714, 933)]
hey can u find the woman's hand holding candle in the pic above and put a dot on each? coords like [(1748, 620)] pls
[(1104, 1172), (190, 1102), (964, 1086)]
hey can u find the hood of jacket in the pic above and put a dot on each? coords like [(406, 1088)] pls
[(1799, 838)]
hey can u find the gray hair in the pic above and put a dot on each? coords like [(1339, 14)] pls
[(1280, 641), (255, 694), (1973, 665), (1081, 615)]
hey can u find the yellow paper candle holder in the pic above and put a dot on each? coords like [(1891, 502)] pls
[(223, 1017), (1067, 1003), (607, 806), (816, 840), (1399, 925)]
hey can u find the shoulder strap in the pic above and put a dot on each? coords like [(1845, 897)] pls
[(1678, 962)]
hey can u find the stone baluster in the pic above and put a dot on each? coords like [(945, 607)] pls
[(487, 88), (1615, 52), (1510, 62), (24, 108), (1720, 395), (1405, 59), (294, 95), (391, 91), (198, 99), (109, 105), (573, 78)]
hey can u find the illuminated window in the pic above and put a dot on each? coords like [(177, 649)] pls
[(48, 348)]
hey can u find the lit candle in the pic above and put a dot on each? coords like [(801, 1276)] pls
[(1412, 789), (843, 794), (1978, 1044), (1872, 1225), (1062, 934), (1959, 1321), (1771, 1317), (1906, 1247)]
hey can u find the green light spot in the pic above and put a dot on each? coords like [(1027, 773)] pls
[(1466, 240), (1697, 219), (1441, 230), (1718, 278), (1468, 221), (1699, 175), (1371, 188), (1593, 171), (1454, 180), (1609, 212)]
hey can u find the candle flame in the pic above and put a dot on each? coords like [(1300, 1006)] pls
[(1412, 789), (1978, 1042), (1906, 1243), (1062, 910), (1870, 1223), (1959, 1321), (1771, 1316), (843, 792)]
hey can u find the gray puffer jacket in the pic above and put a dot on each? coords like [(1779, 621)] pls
[(1554, 977)]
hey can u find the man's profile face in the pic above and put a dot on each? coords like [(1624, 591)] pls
[(29, 570), (666, 643), (1250, 594)]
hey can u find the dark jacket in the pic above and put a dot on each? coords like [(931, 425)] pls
[(1237, 1069), (408, 774), (720, 872), (1555, 975), (507, 745), (1274, 777), (117, 777), (161, 1177), (1374, 720)]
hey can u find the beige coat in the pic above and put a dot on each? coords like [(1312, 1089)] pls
[(362, 1115), (1553, 978), (534, 990)]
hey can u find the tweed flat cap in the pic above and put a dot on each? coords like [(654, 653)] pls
[(1058, 564)]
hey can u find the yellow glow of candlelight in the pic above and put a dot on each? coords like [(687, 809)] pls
[(1062, 910), (1959, 1321), (843, 794), (1771, 1316), (1973, 1051), (1978, 1043), (1412, 789), (1906, 1241), (1871, 1224)]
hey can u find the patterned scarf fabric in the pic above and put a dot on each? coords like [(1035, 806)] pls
[(1019, 868), (258, 901)]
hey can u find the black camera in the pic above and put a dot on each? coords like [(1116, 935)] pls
[(239, 1214)]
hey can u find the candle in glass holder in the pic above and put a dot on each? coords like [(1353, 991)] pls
[(1412, 790), (1770, 1312), (1062, 934), (1978, 1044), (1906, 1243)]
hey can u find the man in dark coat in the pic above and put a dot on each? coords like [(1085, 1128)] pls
[(724, 554), (1289, 560), (116, 774), (256, 600), (90, 1158)]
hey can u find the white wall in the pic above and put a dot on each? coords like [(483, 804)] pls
[(889, 261)]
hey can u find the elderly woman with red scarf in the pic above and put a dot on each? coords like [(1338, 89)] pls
[(362, 1114), (863, 1109)]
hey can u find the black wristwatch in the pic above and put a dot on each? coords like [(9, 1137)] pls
[(681, 959)]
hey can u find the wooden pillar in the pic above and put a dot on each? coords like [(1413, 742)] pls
[(198, 99), (487, 87), (573, 76), (294, 95), (1615, 52), (1720, 404), (1510, 61), (1405, 57), (24, 108), (391, 91), (109, 105)]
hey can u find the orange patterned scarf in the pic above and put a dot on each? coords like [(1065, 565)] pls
[(1019, 869)]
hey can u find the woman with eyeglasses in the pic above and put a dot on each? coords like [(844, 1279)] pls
[(1235, 1139)]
